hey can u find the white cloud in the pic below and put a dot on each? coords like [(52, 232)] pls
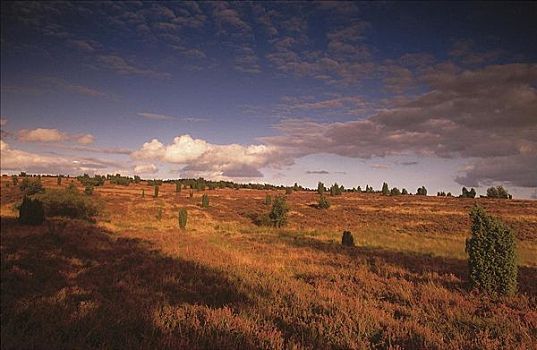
[(201, 158), (85, 139), (42, 135), (19, 160), (145, 169), (53, 135)]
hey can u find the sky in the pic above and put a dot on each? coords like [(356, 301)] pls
[(441, 94)]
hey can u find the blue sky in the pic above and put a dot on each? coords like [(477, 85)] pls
[(435, 94)]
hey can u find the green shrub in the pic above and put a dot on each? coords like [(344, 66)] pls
[(320, 188), (422, 191), (268, 199), (31, 186), (347, 239), (498, 192), (182, 218), (205, 201), (31, 212), (278, 214), (69, 203), (468, 194), (491, 252), (336, 190), (88, 190), (323, 203), (385, 189)]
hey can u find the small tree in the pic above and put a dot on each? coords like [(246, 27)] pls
[(404, 191), (395, 192), (323, 203), (491, 252), (502, 192), (155, 193), (492, 192), (422, 191), (278, 214), (268, 199), (205, 201), (182, 218), (385, 189), (320, 188), (347, 239), (31, 212)]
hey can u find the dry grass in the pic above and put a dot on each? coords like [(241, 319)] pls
[(134, 282)]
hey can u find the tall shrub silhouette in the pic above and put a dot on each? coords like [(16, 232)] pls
[(491, 252), (385, 189), (278, 214), (31, 212), (323, 202), (205, 201), (347, 239), (182, 218)]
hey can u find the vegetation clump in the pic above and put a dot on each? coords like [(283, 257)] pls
[(323, 203), (205, 201), (88, 190), (422, 191), (385, 189), (182, 216), (491, 252), (278, 214), (347, 239), (31, 212), (320, 188), (268, 199), (468, 194), (336, 190), (31, 186), (395, 192), (498, 192), (69, 203), (155, 191)]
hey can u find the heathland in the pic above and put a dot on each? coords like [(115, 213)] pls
[(135, 279)]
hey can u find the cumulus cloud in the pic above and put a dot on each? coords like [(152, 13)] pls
[(19, 160), (42, 135), (53, 135), (145, 169), (200, 157)]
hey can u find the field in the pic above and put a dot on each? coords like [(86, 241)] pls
[(133, 281)]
